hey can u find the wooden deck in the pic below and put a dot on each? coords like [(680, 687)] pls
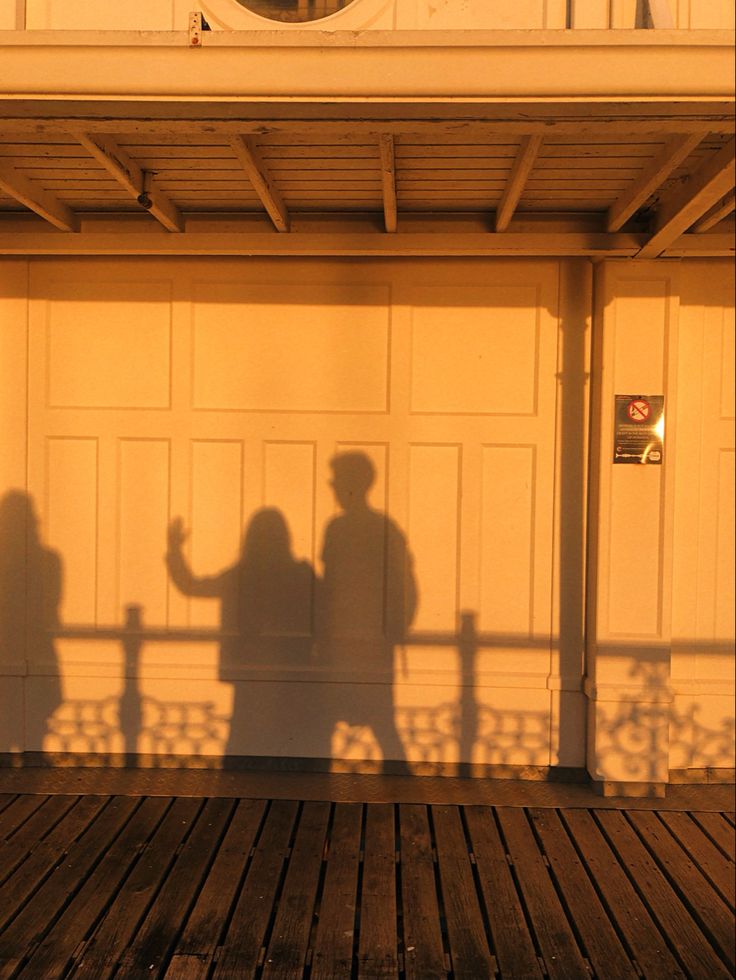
[(187, 887)]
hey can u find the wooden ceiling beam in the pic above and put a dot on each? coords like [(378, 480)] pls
[(246, 151), (522, 167), (34, 197), (717, 213), (388, 180), (609, 122), (129, 175), (538, 234), (676, 150), (684, 205)]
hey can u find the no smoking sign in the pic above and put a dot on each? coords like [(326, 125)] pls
[(638, 410), (639, 429)]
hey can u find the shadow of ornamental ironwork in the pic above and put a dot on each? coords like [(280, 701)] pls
[(450, 737), (628, 731)]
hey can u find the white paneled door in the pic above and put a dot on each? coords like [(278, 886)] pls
[(399, 603)]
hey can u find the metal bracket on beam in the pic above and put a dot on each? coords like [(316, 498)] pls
[(197, 26)]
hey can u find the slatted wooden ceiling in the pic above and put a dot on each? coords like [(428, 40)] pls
[(201, 173), (651, 182)]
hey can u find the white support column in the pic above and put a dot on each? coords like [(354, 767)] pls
[(628, 647)]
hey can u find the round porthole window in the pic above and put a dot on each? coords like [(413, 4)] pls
[(294, 11)]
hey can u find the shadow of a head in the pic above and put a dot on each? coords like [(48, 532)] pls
[(353, 474)]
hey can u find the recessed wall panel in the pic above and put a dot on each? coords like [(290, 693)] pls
[(217, 517), (479, 356), (143, 493), (641, 311), (728, 368), (725, 597), (507, 540), (291, 348), (108, 345), (434, 501), (288, 486), (71, 508), (635, 557)]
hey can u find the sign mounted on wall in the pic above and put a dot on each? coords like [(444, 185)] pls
[(639, 429)]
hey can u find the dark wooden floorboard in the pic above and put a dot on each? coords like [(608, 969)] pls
[(31, 924), (242, 947), (682, 933), (378, 952), (332, 955), (512, 941), (423, 950), (54, 954), (157, 934), (17, 812), (197, 946), (41, 861), (711, 861), (30, 832), (557, 943), (719, 830), (704, 904), (191, 888), (627, 912), (470, 956), (118, 926), (287, 951), (599, 938)]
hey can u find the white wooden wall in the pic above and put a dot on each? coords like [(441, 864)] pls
[(129, 394), (661, 593), (211, 389)]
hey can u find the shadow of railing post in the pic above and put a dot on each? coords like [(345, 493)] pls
[(467, 648), (130, 699)]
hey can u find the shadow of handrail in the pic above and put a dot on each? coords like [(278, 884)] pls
[(463, 729)]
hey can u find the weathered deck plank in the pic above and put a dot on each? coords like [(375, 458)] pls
[(512, 941), (30, 831), (469, 953), (243, 943), (557, 943), (683, 935), (196, 948), (41, 861), (286, 955), (157, 934), (191, 889), (377, 953), (18, 811), (720, 831), (695, 891), (628, 913), (30, 925), (332, 955), (602, 944), (711, 861), (54, 954), (424, 956), (118, 926)]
